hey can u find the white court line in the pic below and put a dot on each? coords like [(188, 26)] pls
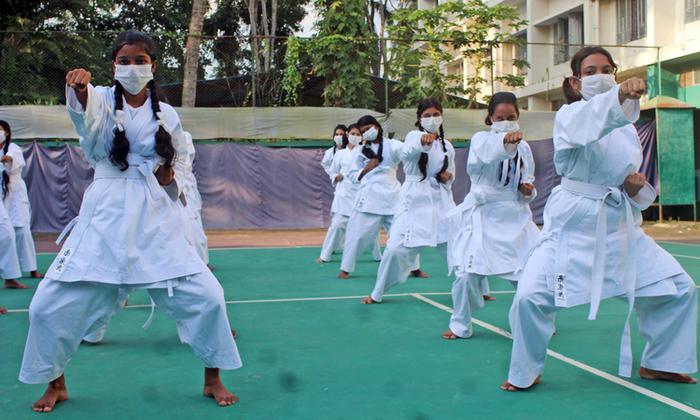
[(612, 378), (303, 299), (677, 243), (686, 256)]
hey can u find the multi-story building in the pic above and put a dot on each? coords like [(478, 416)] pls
[(632, 29)]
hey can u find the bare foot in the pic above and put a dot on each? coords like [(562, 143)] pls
[(320, 261), (369, 301), (214, 388), (14, 284), (3, 311), (234, 333), (36, 275), (449, 335), (507, 386), (659, 375), (344, 275), (419, 274), (489, 297), (55, 393)]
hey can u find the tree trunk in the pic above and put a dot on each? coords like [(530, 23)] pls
[(194, 40), (254, 43)]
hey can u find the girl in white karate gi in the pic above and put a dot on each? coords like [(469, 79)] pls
[(592, 245), (496, 230), (9, 262), (340, 140), (426, 197), (16, 201), (128, 234), (344, 197), (375, 165), (193, 203)]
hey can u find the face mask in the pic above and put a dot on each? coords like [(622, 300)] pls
[(596, 84), (338, 140), (431, 124), (133, 77), (354, 140), (3, 136), (505, 126), (371, 134)]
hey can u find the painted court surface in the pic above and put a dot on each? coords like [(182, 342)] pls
[(311, 350)]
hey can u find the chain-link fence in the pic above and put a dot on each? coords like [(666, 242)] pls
[(33, 67)]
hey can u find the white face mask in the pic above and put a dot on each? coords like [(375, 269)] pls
[(3, 136), (133, 77), (338, 140), (505, 126), (354, 140), (371, 134), (596, 84), (431, 124)]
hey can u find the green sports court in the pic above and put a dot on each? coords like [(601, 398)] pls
[(311, 350)]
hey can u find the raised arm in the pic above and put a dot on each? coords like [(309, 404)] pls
[(586, 122)]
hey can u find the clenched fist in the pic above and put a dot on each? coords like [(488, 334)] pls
[(634, 183), (632, 88), (78, 79)]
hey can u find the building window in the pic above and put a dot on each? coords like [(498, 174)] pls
[(520, 55), (568, 33), (631, 20), (692, 10)]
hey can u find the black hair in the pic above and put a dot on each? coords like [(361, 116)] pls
[(351, 126), (8, 138), (498, 99), (345, 137), (424, 104), (120, 145), (569, 92), (366, 150)]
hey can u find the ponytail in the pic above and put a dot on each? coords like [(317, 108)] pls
[(5, 148)]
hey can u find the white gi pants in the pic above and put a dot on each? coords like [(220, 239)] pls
[(336, 236), (9, 262), (397, 263), (668, 322), (362, 229), (62, 313), (25, 248)]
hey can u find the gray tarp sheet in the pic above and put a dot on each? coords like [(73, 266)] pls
[(242, 186)]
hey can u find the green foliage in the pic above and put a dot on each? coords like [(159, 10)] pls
[(291, 82), (342, 52), (428, 40)]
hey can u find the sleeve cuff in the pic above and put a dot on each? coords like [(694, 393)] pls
[(644, 198)]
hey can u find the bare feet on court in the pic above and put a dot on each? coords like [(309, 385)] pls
[(658, 375), (507, 386), (214, 388), (55, 393), (14, 284)]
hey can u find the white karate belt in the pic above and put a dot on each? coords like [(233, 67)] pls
[(614, 197), (139, 168), (419, 178), (476, 199)]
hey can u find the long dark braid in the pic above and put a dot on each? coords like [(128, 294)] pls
[(367, 151), (119, 153), (5, 148), (164, 141), (120, 144)]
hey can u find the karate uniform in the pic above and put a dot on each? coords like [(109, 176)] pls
[(593, 247), (343, 202), (496, 231), (421, 219), (376, 202), (128, 235), (9, 263), (193, 204), (19, 210)]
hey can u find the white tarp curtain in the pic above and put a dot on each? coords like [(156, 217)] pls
[(309, 123)]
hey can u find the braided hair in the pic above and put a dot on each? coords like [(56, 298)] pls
[(367, 149), (423, 160), (8, 138), (120, 145), (345, 137)]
